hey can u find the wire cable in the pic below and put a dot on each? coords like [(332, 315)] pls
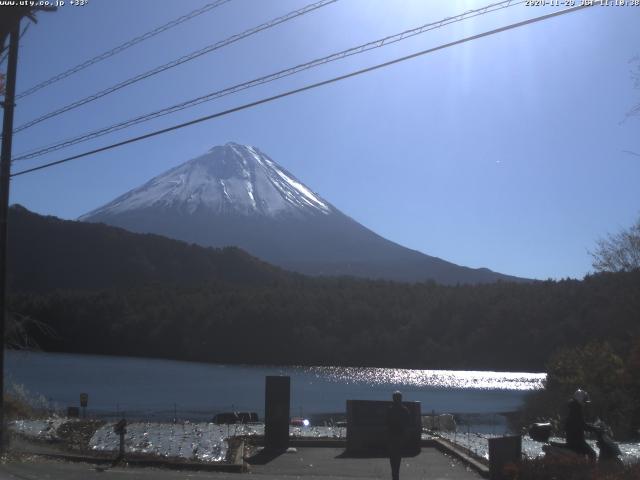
[(122, 47), (305, 88), (268, 78), (6, 49), (176, 62)]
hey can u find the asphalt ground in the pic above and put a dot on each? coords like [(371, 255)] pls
[(309, 463)]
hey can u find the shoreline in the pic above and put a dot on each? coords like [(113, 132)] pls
[(271, 365), (189, 445)]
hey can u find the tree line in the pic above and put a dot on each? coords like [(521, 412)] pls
[(343, 321)]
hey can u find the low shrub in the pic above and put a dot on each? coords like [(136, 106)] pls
[(570, 469), (19, 403), (16, 408)]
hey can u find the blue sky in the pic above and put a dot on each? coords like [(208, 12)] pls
[(507, 152)]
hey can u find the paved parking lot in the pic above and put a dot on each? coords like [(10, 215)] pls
[(308, 463)]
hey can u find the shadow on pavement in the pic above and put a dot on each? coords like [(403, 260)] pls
[(264, 456), (379, 454)]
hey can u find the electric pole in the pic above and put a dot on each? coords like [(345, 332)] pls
[(5, 172), (9, 27)]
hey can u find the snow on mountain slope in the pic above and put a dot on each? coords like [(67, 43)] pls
[(231, 179)]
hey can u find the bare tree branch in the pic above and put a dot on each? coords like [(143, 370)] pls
[(17, 332), (619, 252), (629, 152), (635, 77)]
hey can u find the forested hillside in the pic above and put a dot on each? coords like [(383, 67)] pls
[(344, 321), (47, 253), (101, 289)]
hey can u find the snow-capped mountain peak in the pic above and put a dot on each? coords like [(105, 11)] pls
[(229, 179), (236, 195)]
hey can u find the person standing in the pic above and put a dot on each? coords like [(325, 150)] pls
[(397, 422), (576, 425)]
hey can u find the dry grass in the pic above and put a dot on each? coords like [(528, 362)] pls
[(570, 469), (76, 435), (17, 408)]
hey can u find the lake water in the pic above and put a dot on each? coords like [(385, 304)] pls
[(157, 389)]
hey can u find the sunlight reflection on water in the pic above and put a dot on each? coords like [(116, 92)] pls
[(152, 389), (433, 378)]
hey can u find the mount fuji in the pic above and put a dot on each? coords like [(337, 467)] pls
[(236, 195)]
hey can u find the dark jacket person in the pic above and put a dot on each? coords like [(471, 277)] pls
[(575, 425), (397, 421)]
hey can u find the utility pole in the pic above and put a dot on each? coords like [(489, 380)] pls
[(5, 172), (9, 27)]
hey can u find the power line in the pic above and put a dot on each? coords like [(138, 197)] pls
[(176, 62), (122, 47), (6, 53), (307, 87), (268, 78)]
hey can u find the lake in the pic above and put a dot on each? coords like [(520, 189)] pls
[(160, 389)]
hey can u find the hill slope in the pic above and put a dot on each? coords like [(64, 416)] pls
[(48, 253)]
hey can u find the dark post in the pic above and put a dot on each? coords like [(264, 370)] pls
[(121, 450), (503, 451), (5, 172), (121, 429), (84, 400), (276, 413)]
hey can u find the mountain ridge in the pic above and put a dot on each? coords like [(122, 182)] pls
[(237, 195), (48, 253)]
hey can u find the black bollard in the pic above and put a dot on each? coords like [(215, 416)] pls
[(276, 413)]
